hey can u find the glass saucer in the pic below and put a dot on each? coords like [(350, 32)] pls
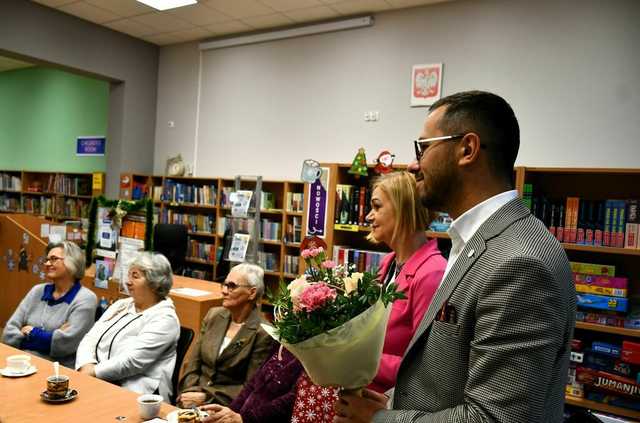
[(71, 394)]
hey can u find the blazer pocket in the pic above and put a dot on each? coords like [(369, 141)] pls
[(448, 329)]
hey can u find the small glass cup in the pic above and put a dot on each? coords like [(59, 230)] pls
[(57, 386)]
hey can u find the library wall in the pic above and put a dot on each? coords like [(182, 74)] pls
[(42, 112), (568, 68), (36, 33)]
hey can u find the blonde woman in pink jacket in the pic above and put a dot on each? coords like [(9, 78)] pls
[(415, 264)]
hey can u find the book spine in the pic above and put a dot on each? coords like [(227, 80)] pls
[(361, 207), (338, 208), (620, 230), (561, 220), (608, 218), (631, 226)]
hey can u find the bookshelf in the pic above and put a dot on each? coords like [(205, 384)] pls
[(54, 195), (202, 204), (592, 186)]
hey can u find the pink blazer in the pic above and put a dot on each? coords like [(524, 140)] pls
[(418, 279)]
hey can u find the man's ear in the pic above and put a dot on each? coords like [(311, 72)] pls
[(469, 149)]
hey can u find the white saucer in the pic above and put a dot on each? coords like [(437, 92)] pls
[(173, 416), (12, 373)]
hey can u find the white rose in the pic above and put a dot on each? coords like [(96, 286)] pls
[(351, 282), (296, 288)]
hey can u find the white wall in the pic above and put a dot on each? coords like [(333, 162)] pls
[(570, 69)]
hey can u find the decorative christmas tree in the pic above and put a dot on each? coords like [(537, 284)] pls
[(359, 164)]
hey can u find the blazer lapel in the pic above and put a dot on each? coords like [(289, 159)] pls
[(495, 225), (219, 325), (242, 338)]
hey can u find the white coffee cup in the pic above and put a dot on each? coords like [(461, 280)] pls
[(18, 362), (149, 405)]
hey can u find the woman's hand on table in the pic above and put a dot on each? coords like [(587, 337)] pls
[(88, 369), (220, 414), (191, 399)]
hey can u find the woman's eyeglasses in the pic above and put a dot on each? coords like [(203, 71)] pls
[(232, 286), (53, 259)]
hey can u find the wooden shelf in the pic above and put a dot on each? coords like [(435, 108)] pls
[(272, 273), (192, 205), (351, 228), (207, 234), (598, 406), (10, 191), (602, 250), (198, 261), (292, 244), (289, 275), (435, 234), (87, 197), (270, 242), (608, 329), (294, 213), (38, 193)]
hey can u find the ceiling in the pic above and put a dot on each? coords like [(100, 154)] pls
[(216, 18)]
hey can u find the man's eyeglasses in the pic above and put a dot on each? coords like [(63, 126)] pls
[(232, 286), (53, 259), (422, 145)]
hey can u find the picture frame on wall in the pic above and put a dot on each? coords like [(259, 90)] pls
[(426, 84)]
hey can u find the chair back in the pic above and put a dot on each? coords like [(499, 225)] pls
[(172, 240), (186, 336)]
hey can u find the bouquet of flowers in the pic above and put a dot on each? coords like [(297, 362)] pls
[(334, 321)]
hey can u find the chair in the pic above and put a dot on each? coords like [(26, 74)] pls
[(186, 336), (171, 240)]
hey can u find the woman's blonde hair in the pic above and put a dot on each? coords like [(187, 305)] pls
[(411, 215)]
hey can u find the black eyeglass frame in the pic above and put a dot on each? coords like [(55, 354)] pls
[(232, 286)]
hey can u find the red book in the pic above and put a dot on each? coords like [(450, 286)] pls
[(361, 207)]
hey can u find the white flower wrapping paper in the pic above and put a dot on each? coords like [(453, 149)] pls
[(347, 356)]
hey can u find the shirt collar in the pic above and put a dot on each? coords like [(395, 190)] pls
[(466, 225), (47, 295)]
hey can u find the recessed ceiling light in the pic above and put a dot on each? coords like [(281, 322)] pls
[(167, 4)]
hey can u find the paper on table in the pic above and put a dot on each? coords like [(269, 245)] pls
[(57, 233), (44, 230), (191, 292)]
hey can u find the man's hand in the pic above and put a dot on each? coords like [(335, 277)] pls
[(88, 369), (220, 414), (65, 326), (26, 330), (191, 399), (355, 409)]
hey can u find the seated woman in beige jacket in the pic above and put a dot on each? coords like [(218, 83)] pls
[(232, 345)]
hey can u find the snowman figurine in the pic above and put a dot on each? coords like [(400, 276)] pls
[(384, 162)]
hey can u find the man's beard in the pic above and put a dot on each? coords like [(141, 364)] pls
[(439, 185)]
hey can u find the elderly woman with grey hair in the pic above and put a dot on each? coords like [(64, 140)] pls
[(134, 342), (232, 344), (53, 317)]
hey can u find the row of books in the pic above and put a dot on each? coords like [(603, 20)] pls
[(179, 192), (352, 204), (193, 222), (605, 372), (156, 192), (364, 260), (198, 273), (134, 226), (294, 201), (241, 225), (69, 185), (294, 229), (609, 223), (39, 205), (267, 199), (291, 264), (270, 230), (201, 250), (72, 207), (9, 203), (268, 261), (10, 182)]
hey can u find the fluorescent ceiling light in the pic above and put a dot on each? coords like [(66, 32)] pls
[(288, 33), (167, 4)]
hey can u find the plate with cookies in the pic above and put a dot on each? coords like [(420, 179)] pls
[(189, 415)]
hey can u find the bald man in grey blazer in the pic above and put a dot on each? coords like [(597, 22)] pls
[(494, 343)]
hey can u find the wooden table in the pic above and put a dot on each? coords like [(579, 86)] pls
[(97, 401)]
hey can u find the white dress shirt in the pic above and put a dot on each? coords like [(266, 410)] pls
[(466, 225)]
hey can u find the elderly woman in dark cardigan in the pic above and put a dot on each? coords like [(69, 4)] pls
[(267, 397)]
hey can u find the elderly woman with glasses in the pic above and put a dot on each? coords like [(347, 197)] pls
[(134, 342), (232, 345), (52, 319)]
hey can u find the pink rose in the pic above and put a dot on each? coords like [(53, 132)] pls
[(328, 264), (316, 296)]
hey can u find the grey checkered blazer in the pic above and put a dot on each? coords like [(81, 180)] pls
[(506, 359)]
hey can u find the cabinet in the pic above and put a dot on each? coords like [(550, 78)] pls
[(203, 205), (55, 195), (552, 186)]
